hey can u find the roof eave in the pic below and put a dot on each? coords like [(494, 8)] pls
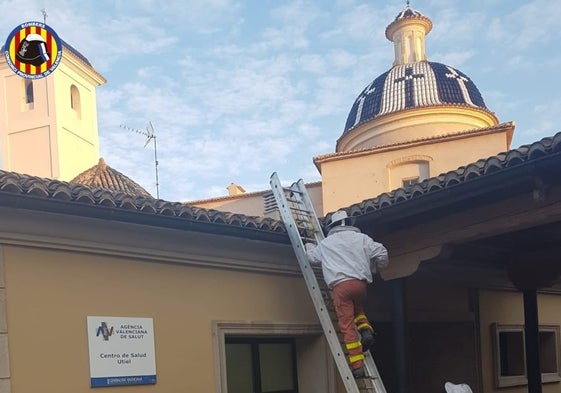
[(35, 203), (510, 181)]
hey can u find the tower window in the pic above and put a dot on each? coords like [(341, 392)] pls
[(28, 99), (28, 91), (75, 100)]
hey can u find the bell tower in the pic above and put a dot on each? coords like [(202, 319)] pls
[(48, 126)]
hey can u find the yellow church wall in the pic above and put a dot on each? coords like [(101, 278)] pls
[(22, 123), (78, 141), (15, 110), (507, 308), (73, 144), (25, 151), (356, 176), (50, 293)]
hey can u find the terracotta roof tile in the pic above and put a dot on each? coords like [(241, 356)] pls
[(42, 188), (103, 176)]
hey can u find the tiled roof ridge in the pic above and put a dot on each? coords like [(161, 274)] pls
[(472, 131), (44, 188), (477, 169)]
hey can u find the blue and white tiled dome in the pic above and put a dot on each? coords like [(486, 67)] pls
[(414, 85)]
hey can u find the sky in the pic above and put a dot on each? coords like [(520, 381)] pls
[(239, 89)]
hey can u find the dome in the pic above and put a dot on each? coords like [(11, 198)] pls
[(416, 98), (103, 176), (408, 86)]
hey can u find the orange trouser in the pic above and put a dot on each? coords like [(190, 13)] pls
[(348, 297)]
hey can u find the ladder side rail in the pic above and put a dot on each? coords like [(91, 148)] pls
[(372, 370), (313, 287), (308, 203)]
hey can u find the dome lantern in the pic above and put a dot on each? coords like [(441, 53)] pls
[(407, 32)]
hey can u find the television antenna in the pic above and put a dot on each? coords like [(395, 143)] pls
[(150, 135), (44, 12)]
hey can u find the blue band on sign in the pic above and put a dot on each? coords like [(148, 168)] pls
[(120, 381)]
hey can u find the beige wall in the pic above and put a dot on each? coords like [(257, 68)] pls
[(50, 293), (354, 178), (59, 269), (252, 203), (507, 308)]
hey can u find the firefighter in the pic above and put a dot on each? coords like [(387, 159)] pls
[(348, 259)]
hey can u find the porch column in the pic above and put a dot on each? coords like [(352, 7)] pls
[(532, 342), (530, 271), (400, 334)]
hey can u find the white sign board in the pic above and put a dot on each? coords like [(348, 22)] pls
[(121, 351)]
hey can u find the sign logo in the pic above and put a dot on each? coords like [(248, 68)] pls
[(104, 331), (33, 50)]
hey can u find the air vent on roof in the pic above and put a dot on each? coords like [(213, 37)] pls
[(270, 208)]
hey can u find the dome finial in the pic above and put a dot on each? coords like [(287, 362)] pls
[(407, 2), (407, 32)]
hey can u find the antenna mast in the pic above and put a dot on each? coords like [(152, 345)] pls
[(150, 135), (44, 12)]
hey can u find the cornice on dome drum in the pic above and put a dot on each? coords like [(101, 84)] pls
[(415, 123)]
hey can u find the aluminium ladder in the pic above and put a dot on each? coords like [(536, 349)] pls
[(302, 224)]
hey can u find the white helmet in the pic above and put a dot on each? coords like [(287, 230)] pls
[(339, 215)]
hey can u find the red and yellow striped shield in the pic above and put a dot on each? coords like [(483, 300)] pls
[(33, 50)]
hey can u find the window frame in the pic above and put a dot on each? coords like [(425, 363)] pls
[(255, 342), (410, 181), (296, 330), (521, 379)]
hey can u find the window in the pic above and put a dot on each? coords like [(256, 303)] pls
[(408, 170), (261, 365), (75, 100), (410, 181), (28, 98), (510, 354), (313, 367)]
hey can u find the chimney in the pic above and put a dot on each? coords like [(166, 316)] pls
[(234, 189)]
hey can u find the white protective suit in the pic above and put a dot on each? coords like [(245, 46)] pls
[(346, 254)]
